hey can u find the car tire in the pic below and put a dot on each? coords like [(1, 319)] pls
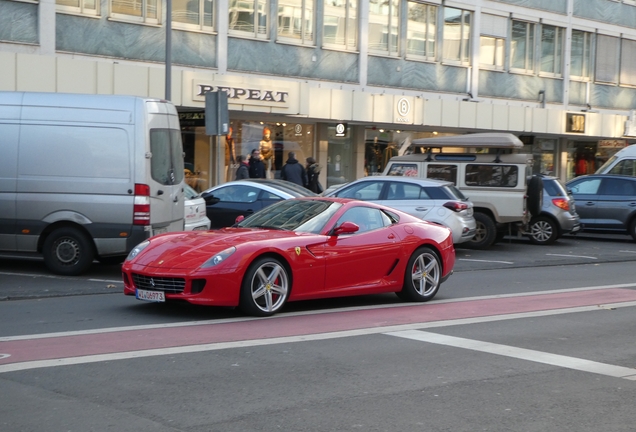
[(68, 251), (535, 195), (265, 287), (632, 229), (543, 231), (422, 277), (485, 234)]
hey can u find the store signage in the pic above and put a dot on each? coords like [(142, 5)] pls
[(245, 95), (192, 118), (403, 110), (575, 123), (341, 129), (298, 130), (612, 144)]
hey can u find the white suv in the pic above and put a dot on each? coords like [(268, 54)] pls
[(499, 186)]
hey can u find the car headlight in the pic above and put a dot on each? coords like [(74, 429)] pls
[(219, 258), (137, 249)]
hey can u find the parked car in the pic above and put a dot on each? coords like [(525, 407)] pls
[(296, 249), (195, 214), (224, 203), (431, 200), (558, 214), (606, 202)]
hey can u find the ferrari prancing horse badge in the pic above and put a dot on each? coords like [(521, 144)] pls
[(297, 250)]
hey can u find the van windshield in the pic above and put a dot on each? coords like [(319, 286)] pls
[(166, 163)]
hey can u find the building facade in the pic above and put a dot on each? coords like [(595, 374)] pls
[(348, 82)]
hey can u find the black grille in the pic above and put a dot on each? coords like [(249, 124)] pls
[(153, 283)]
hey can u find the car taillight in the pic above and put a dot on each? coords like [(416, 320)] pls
[(561, 203), (456, 206), (141, 207)]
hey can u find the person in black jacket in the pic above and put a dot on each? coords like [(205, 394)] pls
[(257, 167), (293, 171), (313, 170), (243, 171)]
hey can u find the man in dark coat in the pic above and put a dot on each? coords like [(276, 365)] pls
[(293, 171), (313, 171), (243, 171), (257, 167)]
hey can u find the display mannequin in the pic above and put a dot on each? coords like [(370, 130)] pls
[(267, 152), (230, 156)]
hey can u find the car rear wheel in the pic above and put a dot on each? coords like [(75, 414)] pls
[(485, 234), (422, 277), (543, 231), (68, 251), (265, 287)]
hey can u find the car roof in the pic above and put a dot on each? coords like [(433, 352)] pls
[(279, 187), (625, 177), (416, 180)]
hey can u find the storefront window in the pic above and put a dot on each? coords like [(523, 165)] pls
[(381, 145)]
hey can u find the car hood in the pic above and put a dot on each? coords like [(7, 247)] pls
[(188, 250)]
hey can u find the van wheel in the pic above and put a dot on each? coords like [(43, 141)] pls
[(535, 195), (485, 234), (68, 251)]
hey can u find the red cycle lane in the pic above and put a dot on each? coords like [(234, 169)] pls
[(118, 341)]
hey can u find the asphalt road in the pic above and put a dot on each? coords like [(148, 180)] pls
[(520, 338)]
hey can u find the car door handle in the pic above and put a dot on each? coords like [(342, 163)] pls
[(633, 204), (421, 208), (391, 236), (175, 199), (589, 203)]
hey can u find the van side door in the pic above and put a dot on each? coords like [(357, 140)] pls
[(9, 131)]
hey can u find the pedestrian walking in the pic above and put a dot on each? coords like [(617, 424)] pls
[(243, 170), (257, 167), (313, 170), (293, 171)]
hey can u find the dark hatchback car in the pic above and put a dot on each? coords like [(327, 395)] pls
[(605, 202), (225, 202)]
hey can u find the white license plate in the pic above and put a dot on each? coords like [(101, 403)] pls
[(153, 296), (160, 231)]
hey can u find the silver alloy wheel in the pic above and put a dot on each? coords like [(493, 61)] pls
[(480, 232), (269, 287), (425, 274), (542, 231)]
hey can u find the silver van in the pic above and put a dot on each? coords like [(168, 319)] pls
[(623, 163), (86, 177)]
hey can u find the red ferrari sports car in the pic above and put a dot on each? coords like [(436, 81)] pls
[(298, 249)]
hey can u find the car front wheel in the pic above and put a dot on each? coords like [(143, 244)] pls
[(68, 251), (265, 287), (422, 277), (543, 231)]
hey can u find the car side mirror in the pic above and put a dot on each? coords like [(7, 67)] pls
[(239, 219), (210, 199), (345, 228)]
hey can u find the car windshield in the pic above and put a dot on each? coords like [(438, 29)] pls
[(554, 187), (189, 193), (287, 186), (294, 215)]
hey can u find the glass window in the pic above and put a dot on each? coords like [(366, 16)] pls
[(624, 167), (491, 175), (589, 186), (140, 10), (249, 17), (199, 13), (405, 191), (580, 55), (366, 218), (403, 169), (492, 52), (628, 62), (616, 186), (366, 191), (522, 46), (166, 163), (421, 29), (442, 172), (341, 23), (383, 25), (296, 20), (456, 35), (551, 49), (607, 59), (88, 7)]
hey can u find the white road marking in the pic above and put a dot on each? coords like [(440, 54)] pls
[(490, 261), (628, 251), (520, 353), (291, 339), (572, 256), (33, 275), (310, 312)]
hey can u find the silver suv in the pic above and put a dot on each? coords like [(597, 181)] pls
[(558, 214)]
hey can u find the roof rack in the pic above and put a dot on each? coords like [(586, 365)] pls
[(490, 140)]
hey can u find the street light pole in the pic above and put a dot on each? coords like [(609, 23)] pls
[(168, 48)]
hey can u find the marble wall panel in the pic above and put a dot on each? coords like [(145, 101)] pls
[(605, 11), (558, 6), (291, 60), (18, 22), (387, 72)]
